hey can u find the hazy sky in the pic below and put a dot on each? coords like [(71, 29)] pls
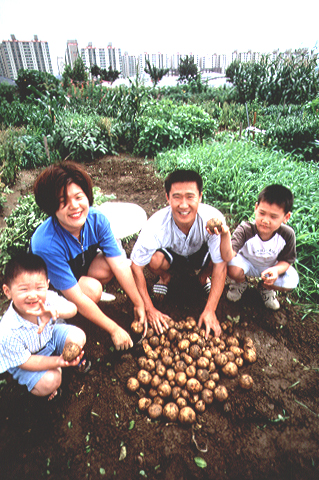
[(170, 26)]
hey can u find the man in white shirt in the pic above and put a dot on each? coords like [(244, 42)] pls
[(177, 235)]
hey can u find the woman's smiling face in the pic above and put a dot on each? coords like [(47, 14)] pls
[(72, 213)]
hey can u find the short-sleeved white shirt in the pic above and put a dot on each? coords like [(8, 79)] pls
[(161, 231)]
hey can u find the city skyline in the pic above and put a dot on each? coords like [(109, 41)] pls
[(168, 28)]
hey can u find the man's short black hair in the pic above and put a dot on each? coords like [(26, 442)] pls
[(21, 263), (279, 195), (183, 176)]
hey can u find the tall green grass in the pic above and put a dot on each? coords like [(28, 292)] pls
[(235, 172)]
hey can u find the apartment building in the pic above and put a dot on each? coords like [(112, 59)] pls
[(71, 53), (29, 55)]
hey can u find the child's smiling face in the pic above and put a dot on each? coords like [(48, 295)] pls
[(268, 218), (25, 291)]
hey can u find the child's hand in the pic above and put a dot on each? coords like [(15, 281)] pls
[(269, 276), (45, 314), (224, 230)]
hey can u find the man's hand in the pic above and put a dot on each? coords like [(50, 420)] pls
[(45, 314), (157, 320), (121, 339), (211, 322), (140, 316)]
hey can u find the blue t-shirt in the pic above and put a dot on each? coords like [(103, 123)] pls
[(66, 257)]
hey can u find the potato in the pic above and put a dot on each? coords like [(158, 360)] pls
[(239, 362), (220, 393), (150, 332), (191, 321), (167, 352), (180, 366), (193, 337), (167, 361), (250, 355), (133, 384), (160, 370), (214, 223), (170, 374), (141, 362), (176, 392), (187, 359), (144, 403), (202, 362), (152, 355), (246, 382), (152, 392), (159, 400), (214, 376), (171, 334), (190, 371), (207, 396), (220, 359), (183, 344), (210, 384), (187, 416), (195, 351), (230, 355), (207, 354), (164, 390), (71, 351), (155, 411), (144, 377), (180, 379), (149, 365), (154, 341), (193, 385), (232, 342), (137, 327), (181, 402), (202, 375), (171, 411), (156, 381), (230, 369), (200, 406), (236, 350)]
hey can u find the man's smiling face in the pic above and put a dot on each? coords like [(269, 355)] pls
[(184, 199)]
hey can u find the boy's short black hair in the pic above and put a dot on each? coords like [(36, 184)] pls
[(277, 194), (21, 263), (183, 176), (54, 179)]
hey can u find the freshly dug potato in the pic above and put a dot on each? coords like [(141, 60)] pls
[(195, 351), (214, 223), (190, 371), (230, 369), (230, 355), (155, 411), (181, 402), (193, 385), (171, 411), (137, 327), (171, 334), (250, 355), (170, 374), (200, 406), (207, 354), (236, 350), (187, 359), (149, 365), (202, 375), (232, 341), (183, 344), (210, 384), (133, 384), (144, 377), (176, 392), (214, 376), (180, 379), (156, 381), (246, 382), (160, 370), (191, 321), (71, 351), (164, 390), (180, 366), (193, 337), (207, 396), (202, 362), (220, 393), (144, 403), (187, 416), (159, 400), (239, 362), (141, 362), (220, 359), (154, 341)]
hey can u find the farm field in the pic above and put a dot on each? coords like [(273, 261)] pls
[(269, 432)]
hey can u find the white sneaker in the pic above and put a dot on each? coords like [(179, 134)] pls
[(107, 297), (236, 290), (269, 299)]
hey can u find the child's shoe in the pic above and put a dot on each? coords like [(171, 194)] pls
[(236, 290), (269, 299)]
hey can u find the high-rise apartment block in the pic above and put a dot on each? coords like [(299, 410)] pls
[(72, 52), (15, 54), (102, 57)]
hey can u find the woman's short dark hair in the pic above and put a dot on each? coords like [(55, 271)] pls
[(21, 263), (182, 176), (54, 180)]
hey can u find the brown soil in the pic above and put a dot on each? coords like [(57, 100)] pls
[(269, 432)]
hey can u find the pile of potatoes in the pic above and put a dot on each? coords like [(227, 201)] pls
[(180, 371)]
